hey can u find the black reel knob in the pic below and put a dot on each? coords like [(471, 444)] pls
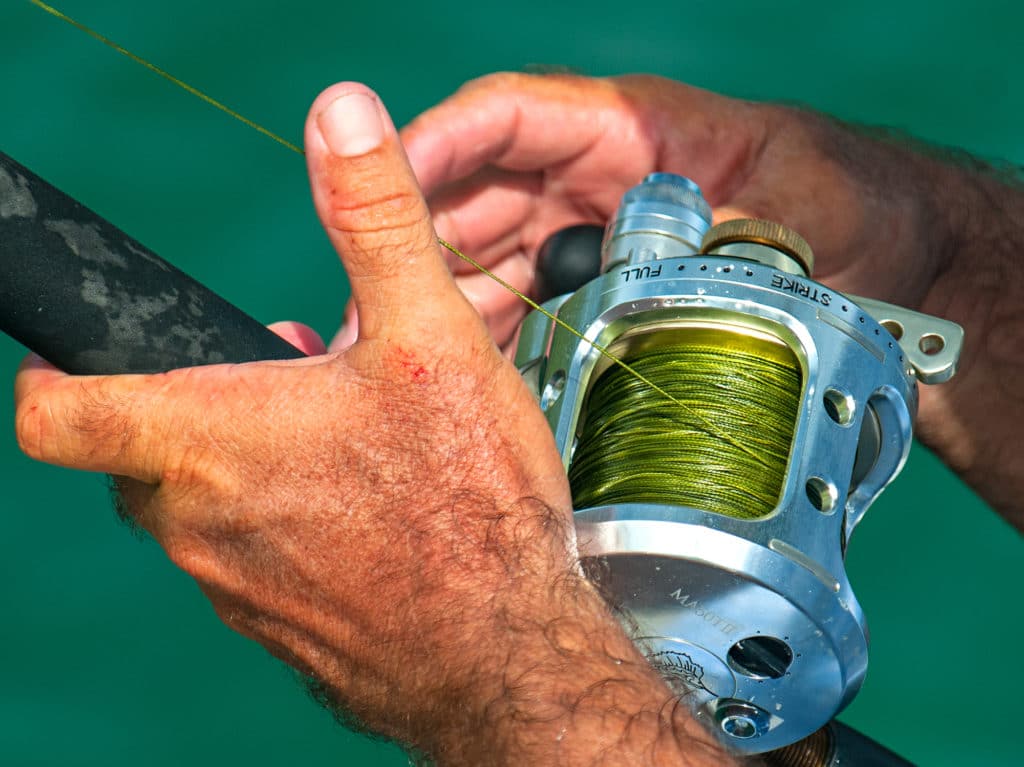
[(568, 260)]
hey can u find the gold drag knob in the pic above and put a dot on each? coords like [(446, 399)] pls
[(720, 239)]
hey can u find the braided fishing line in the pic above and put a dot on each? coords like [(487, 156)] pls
[(632, 448), (166, 75)]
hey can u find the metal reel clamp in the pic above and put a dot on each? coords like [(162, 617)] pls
[(753, 620)]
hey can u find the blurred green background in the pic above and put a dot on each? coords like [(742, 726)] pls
[(108, 656)]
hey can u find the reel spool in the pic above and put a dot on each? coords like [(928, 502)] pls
[(718, 516)]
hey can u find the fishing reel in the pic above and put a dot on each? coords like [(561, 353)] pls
[(725, 422)]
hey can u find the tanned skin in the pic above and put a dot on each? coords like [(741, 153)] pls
[(391, 517)]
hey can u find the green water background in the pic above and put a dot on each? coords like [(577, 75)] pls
[(109, 656)]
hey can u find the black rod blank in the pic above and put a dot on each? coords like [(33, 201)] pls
[(91, 300)]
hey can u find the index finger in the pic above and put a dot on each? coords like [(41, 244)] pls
[(515, 121), (91, 422)]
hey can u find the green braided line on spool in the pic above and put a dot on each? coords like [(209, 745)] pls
[(637, 447)]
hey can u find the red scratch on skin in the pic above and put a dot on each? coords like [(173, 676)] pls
[(417, 372)]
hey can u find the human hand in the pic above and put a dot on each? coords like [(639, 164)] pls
[(393, 520), (510, 159)]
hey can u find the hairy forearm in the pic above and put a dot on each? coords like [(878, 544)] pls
[(976, 421), (572, 689), (524, 663), (964, 223)]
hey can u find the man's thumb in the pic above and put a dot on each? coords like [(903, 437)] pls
[(371, 206)]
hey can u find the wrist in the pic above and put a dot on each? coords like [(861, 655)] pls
[(572, 689)]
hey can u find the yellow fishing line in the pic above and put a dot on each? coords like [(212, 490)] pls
[(634, 448), (167, 76), (471, 261)]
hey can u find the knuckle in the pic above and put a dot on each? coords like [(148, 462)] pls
[(399, 229), (371, 210), (199, 469), (186, 467)]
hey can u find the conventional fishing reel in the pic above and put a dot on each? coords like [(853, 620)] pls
[(725, 422)]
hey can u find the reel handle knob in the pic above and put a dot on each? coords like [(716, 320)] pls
[(568, 260)]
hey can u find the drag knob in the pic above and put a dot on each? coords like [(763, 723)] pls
[(763, 241)]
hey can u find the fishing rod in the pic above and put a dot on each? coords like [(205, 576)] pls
[(90, 299)]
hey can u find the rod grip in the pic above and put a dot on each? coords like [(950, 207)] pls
[(88, 298)]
